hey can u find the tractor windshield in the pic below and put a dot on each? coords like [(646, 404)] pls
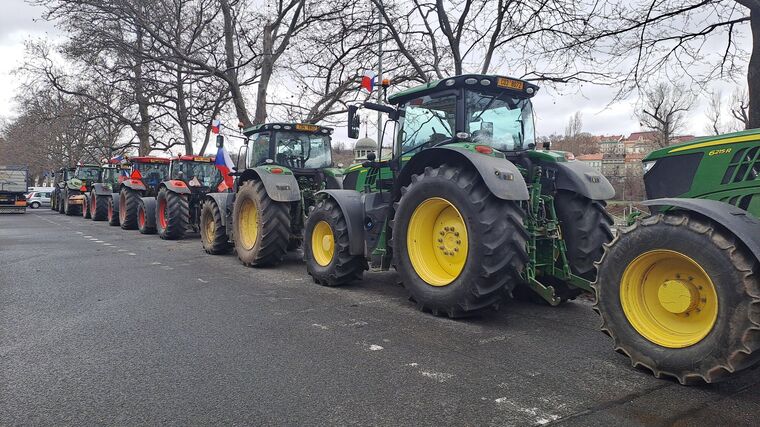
[(499, 120), (302, 150), (427, 121), (198, 174), (87, 173), (153, 173)]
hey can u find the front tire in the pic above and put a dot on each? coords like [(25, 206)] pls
[(98, 207), (173, 214), (146, 215), (458, 248), (680, 296), (85, 208), (213, 233), (262, 226), (68, 208), (128, 208), (326, 250), (112, 214)]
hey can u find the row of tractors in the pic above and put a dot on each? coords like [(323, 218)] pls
[(470, 213)]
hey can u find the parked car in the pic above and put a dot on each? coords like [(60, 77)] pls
[(37, 199)]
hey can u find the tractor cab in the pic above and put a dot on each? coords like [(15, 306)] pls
[(84, 176), (304, 150), (149, 171), (199, 173)]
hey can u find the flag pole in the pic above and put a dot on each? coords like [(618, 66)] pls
[(379, 80)]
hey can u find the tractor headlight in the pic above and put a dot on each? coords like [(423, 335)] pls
[(648, 165)]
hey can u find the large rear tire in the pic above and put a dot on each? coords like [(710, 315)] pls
[(326, 250), (262, 226), (213, 233), (128, 208), (98, 207), (173, 214), (680, 296), (458, 248)]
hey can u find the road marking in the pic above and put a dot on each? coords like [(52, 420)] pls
[(441, 377), (79, 232), (122, 250), (87, 237), (155, 263), (99, 241), (132, 253), (375, 347), (107, 244), (202, 281), (322, 327)]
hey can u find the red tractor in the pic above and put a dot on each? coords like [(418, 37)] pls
[(136, 203), (178, 202)]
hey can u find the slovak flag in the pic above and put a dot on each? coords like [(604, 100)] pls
[(368, 80), (216, 124), (224, 164)]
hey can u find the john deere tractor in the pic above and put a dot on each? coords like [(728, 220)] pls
[(178, 203), (71, 192), (99, 200), (678, 290), (286, 164), (146, 173), (466, 209)]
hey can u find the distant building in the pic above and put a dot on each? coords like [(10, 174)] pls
[(593, 160), (367, 145)]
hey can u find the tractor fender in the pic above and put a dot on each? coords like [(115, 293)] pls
[(739, 222), (101, 189), (224, 202), (150, 211), (176, 186), (280, 187), (134, 184), (352, 205), (500, 175), (580, 178)]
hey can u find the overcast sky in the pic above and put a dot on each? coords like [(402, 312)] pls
[(20, 22)]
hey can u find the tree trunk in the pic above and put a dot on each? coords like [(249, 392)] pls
[(267, 67), (183, 115), (143, 128), (232, 74), (753, 72)]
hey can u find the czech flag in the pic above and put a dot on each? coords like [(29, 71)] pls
[(224, 164), (216, 124), (368, 80)]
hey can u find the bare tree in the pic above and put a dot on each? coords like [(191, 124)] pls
[(740, 108), (714, 114), (664, 111), (574, 125)]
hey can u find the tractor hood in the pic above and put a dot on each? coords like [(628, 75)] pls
[(710, 144)]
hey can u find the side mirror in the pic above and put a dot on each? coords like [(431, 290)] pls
[(547, 145), (219, 141), (371, 156), (353, 121)]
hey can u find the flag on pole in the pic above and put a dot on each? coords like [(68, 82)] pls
[(368, 80), (224, 163), (216, 124)]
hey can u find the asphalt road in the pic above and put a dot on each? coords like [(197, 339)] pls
[(104, 326)]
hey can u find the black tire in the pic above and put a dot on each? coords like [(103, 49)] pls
[(343, 268), (68, 208), (496, 242), (128, 200), (98, 207), (112, 213), (172, 214), (85, 207), (216, 242), (34, 205), (732, 343), (273, 229), (60, 203), (146, 218), (53, 204)]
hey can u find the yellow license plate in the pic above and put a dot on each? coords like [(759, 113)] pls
[(510, 84), (308, 128)]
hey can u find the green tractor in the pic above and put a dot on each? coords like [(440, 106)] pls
[(97, 201), (678, 290), (59, 182), (466, 209), (72, 191), (263, 218)]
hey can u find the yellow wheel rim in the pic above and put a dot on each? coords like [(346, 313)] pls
[(322, 243), (669, 298), (248, 224), (436, 241), (210, 230)]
